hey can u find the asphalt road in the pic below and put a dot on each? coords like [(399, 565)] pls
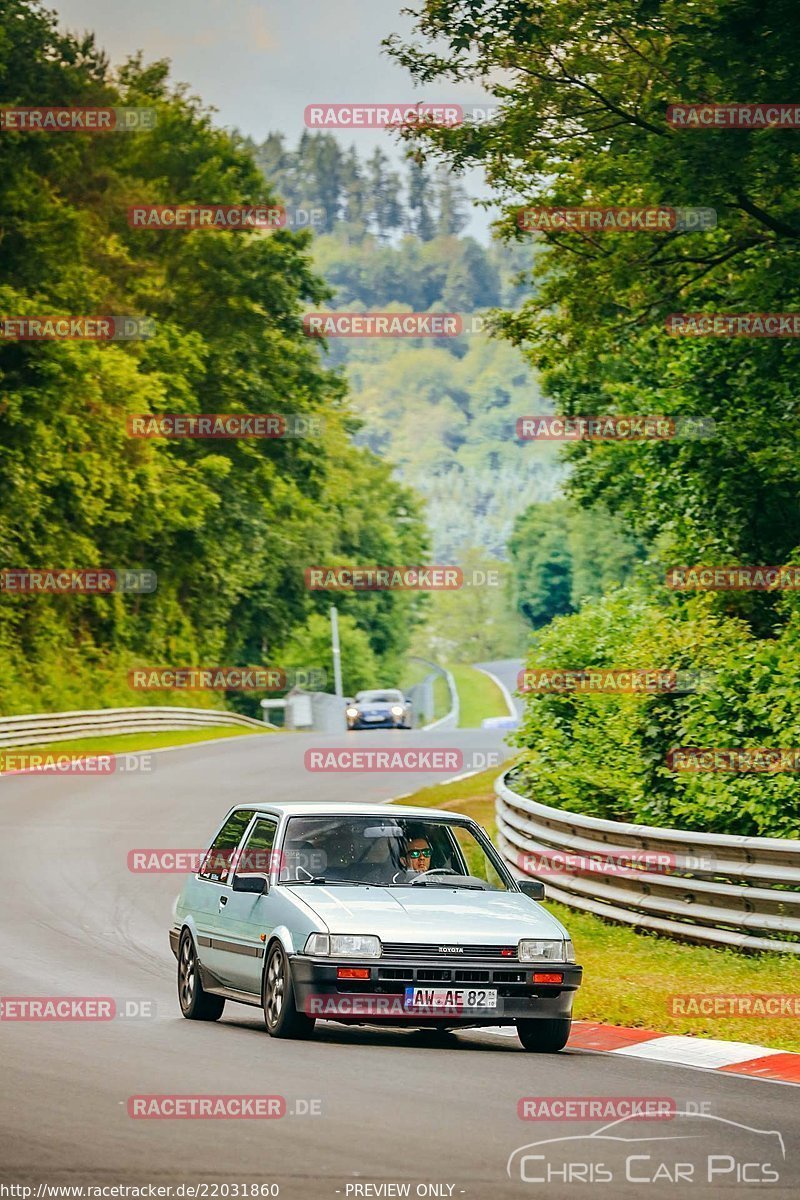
[(393, 1108)]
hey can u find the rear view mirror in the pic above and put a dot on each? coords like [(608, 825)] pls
[(533, 888), (258, 884)]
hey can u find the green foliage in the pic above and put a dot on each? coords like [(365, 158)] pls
[(562, 554), (475, 623), (228, 526), (606, 755), (583, 90), (367, 195), (311, 647)]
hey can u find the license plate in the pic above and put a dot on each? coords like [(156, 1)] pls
[(451, 997), (373, 717)]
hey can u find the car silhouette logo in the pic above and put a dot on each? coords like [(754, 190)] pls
[(698, 1128)]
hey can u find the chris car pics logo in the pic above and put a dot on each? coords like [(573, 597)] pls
[(697, 1148)]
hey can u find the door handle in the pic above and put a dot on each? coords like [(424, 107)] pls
[(223, 900)]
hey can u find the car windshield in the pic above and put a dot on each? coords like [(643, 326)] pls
[(379, 697), (389, 852)]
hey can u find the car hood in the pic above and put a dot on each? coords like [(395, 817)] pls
[(430, 914)]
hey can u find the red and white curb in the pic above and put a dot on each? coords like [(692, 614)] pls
[(711, 1054)]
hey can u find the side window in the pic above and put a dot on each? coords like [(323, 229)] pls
[(476, 860), (256, 856), (216, 865)]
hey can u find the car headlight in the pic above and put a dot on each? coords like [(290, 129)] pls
[(352, 712), (343, 945), (397, 710), (536, 949)]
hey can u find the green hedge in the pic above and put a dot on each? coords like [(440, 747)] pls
[(606, 755)]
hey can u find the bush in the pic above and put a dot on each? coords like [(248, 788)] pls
[(606, 755)]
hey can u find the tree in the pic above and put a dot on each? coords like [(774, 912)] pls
[(419, 214), (354, 196), (228, 526), (563, 555), (472, 281), (451, 203), (583, 91), (384, 204), (310, 649)]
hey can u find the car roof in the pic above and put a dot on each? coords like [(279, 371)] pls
[(321, 808)]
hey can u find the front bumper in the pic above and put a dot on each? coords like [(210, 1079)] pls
[(320, 993), (384, 723)]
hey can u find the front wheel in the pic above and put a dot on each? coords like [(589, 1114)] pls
[(544, 1036), (280, 1012), (196, 1003)]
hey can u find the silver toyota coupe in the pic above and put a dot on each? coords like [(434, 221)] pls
[(369, 914)]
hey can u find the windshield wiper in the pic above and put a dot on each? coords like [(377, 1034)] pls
[(472, 887), (338, 882)]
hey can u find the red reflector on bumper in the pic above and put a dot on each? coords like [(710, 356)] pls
[(548, 977), (352, 973)]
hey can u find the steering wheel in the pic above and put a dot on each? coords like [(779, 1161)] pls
[(432, 871)]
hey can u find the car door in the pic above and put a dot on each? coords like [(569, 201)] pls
[(245, 920), (206, 890)]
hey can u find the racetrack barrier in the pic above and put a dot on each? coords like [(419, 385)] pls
[(717, 889)]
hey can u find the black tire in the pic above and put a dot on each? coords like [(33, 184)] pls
[(544, 1036), (280, 1011), (196, 1004)]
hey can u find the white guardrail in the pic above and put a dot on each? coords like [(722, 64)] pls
[(717, 889), (60, 727)]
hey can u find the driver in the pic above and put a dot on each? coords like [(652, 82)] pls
[(415, 859)]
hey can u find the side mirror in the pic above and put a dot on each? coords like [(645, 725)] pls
[(257, 884), (530, 887)]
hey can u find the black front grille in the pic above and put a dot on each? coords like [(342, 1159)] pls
[(439, 953), (396, 973)]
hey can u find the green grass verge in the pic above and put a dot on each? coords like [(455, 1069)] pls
[(629, 977), (118, 743), (478, 697)]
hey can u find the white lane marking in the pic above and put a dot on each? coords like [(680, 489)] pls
[(695, 1052)]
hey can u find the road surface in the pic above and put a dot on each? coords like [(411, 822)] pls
[(392, 1108)]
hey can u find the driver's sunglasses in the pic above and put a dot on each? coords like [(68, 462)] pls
[(419, 853)]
